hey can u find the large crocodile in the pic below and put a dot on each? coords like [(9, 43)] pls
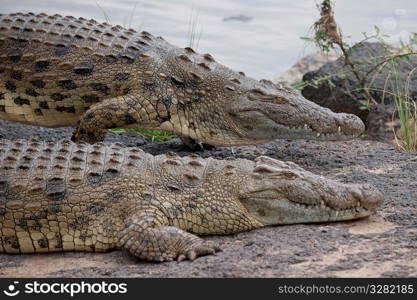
[(65, 196), (60, 71)]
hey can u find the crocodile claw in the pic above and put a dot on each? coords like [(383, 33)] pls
[(206, 248)]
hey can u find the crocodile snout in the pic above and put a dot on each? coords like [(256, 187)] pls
[(367, 196), (371, 197), (350, 124)]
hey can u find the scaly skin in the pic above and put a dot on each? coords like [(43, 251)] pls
[(63, 71), (66, 196)]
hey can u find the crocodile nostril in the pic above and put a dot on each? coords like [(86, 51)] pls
[(371, 197), (357, 195), (350, 124)]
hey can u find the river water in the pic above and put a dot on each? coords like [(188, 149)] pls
[(259, 37)]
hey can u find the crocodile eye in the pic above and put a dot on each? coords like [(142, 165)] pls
[(275, 172), (285, 174), (258, 94), (177, 81)]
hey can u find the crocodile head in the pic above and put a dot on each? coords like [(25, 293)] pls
[(282, 193), (264, 111)]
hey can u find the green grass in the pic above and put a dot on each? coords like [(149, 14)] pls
[(408, 121), (153, 135), (407, 110)]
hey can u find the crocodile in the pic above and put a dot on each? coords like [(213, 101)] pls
[(65, 196), (65, 71)]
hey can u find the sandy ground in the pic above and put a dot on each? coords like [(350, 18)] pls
[(383, 245)]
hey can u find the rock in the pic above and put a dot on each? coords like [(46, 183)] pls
[(383, 123), (343, 95), (311, 62)]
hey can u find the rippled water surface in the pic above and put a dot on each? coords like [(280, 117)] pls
[(263, 41)]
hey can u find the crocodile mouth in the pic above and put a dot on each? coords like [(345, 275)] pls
[(268, 128), (308, 132), (284, 211), (294, 132)]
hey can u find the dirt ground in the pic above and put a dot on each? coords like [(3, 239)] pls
[(383, 245)]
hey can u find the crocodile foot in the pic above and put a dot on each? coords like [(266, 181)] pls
[(199, 249), (148, 236)]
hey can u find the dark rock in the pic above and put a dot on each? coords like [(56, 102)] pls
[(343, 95), (383, 123)]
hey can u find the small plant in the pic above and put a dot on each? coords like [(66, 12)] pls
[(194, 33), (406, 139), (106, 16), (327, 35)]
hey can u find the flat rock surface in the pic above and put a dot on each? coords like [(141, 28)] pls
[(383, 245)]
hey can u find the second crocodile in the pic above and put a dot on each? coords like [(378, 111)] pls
[(78, 197), (62, 71)]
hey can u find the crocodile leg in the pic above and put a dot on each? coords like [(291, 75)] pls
[(148, 236), (121, 112)]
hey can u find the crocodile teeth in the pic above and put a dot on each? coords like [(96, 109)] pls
[(318, 134), (339, 129)]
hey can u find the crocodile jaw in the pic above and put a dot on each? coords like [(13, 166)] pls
[(308, 133), (271, 112), (283, 193), (283, 211), (271, 130)]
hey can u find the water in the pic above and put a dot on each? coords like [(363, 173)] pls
[(262, 47)]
